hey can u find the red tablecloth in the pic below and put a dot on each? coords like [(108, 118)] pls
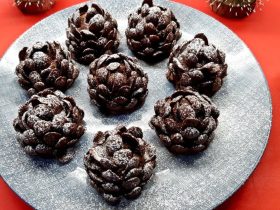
[(260, 32)]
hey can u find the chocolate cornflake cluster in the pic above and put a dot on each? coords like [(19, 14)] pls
[(117, 84), (49, 125), (120, 163), (45, 65), (91, 33), (185, 121), (198, 64), (152, 31)]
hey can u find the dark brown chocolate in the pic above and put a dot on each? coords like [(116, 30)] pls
[(45, 65), (91, 33), (117, 84), (185, 121), (49, 124), (120, 163), (198, 64), (152, 31)]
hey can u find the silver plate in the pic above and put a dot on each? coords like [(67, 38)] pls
[(196, 182)]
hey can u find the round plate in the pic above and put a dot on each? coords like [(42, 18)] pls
[(192, 182)]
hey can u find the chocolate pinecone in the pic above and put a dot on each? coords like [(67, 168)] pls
[(49, 124), (152, 31), (45, 65), (117, 84), (185, 121), (120, 163), (91, 33), (198, 64)]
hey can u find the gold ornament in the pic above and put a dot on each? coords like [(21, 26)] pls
[(34, 6), (234, 8)]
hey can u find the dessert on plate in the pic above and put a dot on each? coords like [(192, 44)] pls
[(120, 163), (49, 124), (117, 83), (45, 65), (91, 32), (185, 121), (198, 64), (152, 31)]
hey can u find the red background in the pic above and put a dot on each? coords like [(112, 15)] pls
[(260, 32)]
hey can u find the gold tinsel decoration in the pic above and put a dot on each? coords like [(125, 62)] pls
[(34, 6), (235, 8)]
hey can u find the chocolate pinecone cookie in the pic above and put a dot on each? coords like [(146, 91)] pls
[(49, 124), (152, 31), (120, 163), (185, 121), (117, 84), (198, 64), (91, 33), (45, 65)]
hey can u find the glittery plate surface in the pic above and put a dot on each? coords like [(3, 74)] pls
[(195, 182)]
